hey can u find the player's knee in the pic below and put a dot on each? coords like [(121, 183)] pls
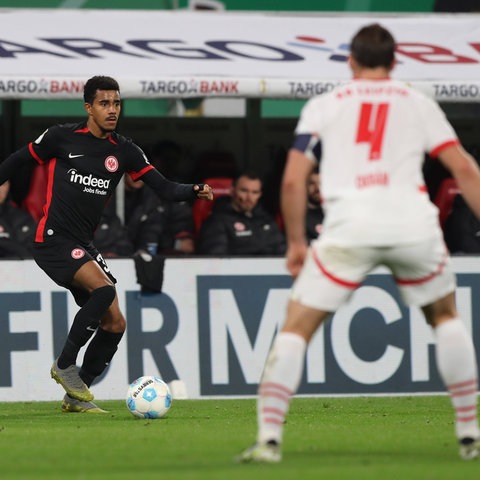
[(118, 324), (113, 323), (440, 310), (104, 296)]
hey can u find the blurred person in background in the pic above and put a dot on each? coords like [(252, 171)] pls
[(17, 228), (111, 236), (161, 227), (154, 224), (239, 225)]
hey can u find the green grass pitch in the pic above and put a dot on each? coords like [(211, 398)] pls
[(386, 438)]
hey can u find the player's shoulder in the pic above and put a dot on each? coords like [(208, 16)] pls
[(59, 131), (123, 141), (120, 139), (319, 104), (126, 143), (422, 96), (339, 90), (421, 100), (70, 127)]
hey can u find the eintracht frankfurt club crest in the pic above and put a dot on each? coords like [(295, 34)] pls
[(77, 253), (111, 164)]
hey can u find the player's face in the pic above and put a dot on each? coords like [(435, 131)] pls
[(103, 113), (246, 194)]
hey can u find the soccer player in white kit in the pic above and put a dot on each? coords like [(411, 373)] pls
[(374, 132)]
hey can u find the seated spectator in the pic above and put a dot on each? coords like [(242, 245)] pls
[(159, 226), (133, 196), (17, 228), (154, 225), (171, 159), (239, 225), (314, 218), (111, 237), (166, 156)]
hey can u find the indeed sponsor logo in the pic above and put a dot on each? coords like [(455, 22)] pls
[(87, 180)]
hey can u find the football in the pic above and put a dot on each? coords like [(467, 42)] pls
[(148, 397)]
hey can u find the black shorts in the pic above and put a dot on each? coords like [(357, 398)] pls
[(60, 258)]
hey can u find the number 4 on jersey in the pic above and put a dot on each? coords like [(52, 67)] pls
[(371, 126)]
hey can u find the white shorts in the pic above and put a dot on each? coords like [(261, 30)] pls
[(331, 273)]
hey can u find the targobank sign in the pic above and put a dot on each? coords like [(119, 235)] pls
[(213, 327), (179, 54)]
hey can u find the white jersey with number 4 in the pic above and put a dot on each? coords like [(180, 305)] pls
[(374, 134)]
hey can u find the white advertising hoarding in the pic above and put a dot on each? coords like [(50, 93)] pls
[(212, 328), (180, 54)]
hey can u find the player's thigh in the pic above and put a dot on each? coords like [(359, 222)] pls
[(303, 320), (422, 271), (90, 276), (93, 274), (330, 275), (60, 258)]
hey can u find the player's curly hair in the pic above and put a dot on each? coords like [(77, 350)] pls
[(373, 46), (98, 82)]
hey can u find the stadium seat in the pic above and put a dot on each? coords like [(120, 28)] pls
[(444, 198), (222, 186), (35, 199)]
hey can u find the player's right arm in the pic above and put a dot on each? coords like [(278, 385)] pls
[(13, 162), (294, 204), (37, 152), (466, 172), (303, 155)]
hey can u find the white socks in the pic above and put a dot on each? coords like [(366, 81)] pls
[(281, 378), (457, 365)]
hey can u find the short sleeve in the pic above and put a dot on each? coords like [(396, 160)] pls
[(45, 146), (310, 118), (438, 130), (137, 162)]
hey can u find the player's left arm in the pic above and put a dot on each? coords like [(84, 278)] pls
[(444, 145), (175, 191), (140, 168), (466, 172)]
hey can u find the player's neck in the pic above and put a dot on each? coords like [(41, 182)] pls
[(96, 131), (378, 73)]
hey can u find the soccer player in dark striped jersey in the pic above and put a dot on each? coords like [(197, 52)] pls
[(86, 161)]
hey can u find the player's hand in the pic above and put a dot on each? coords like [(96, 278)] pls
[(206, 193), (296, 254)]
